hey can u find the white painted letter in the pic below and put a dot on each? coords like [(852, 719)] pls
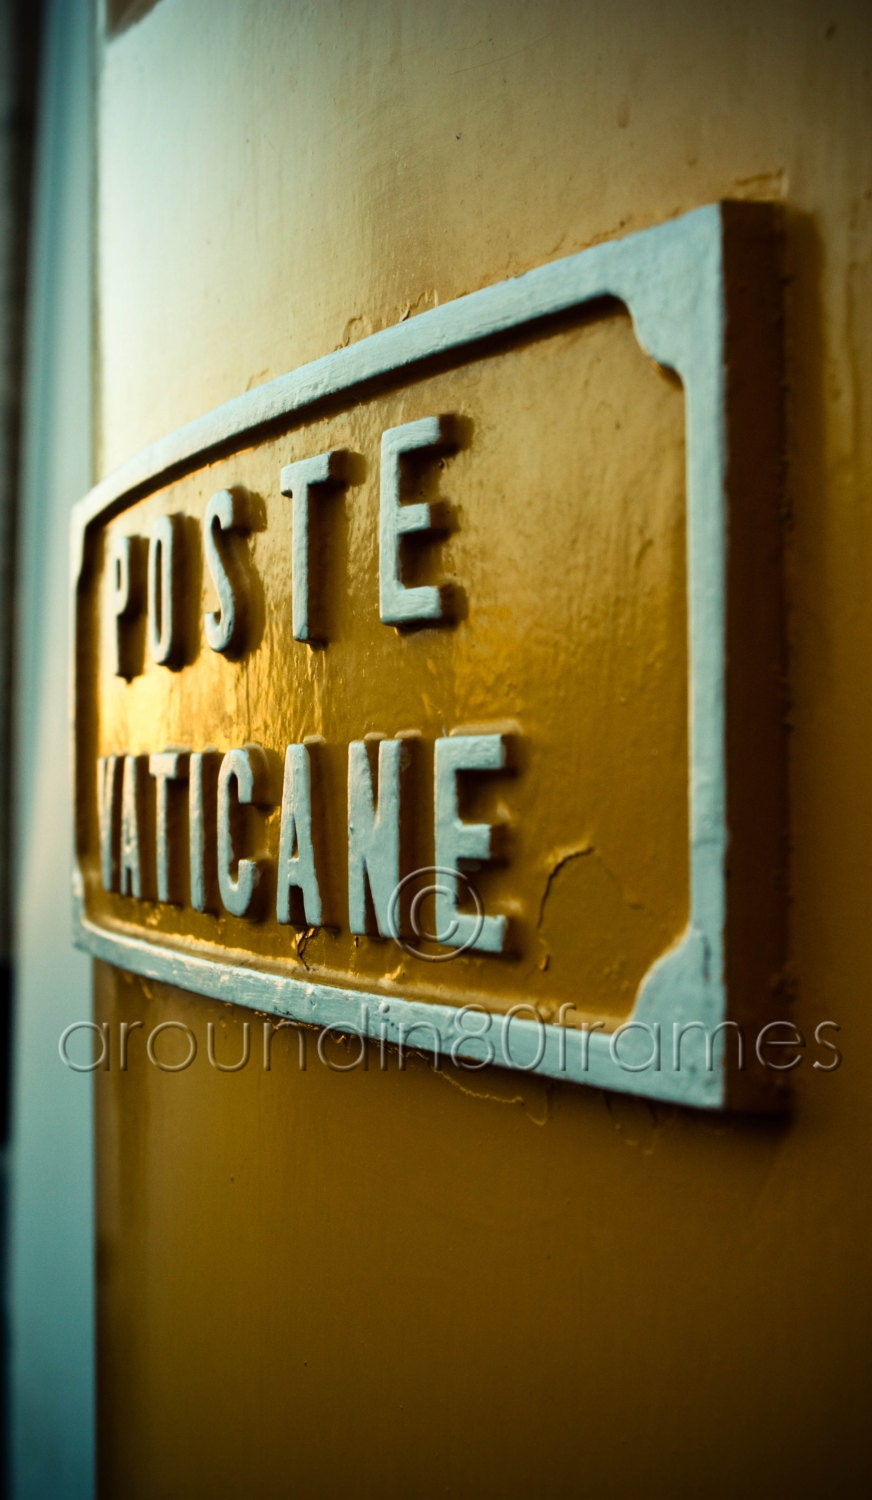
[(130, 863), (373, 838), (198, 819), (400, 605), (456, 840), (164, 601), (297, 883), (122, 596), (246, 768), (297, 480), (107, 795), (171, 765), (226, 511)]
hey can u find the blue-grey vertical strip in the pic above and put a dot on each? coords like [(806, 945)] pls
[(18, 50), (51, 1237), (19, 31)]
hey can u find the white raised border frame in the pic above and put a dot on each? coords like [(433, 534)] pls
[(671, 278)]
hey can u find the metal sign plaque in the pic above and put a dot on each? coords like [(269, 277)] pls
[(415, 691)]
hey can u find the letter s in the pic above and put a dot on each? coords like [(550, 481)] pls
[(226, 512), (822, 1042)]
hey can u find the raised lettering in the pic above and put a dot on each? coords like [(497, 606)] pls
[(456, 840), (130, 864), (299, 480), (399, 604), (123, 601), (169, 766), (226, 512), (298, 895), (242, 781), (164, 590), (107, 811), (202, 770), (373, 836)]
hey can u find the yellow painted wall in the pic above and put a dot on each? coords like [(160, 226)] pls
[(415, 1283)]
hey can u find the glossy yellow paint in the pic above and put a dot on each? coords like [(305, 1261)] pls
[(402, 1282), (568, 554)]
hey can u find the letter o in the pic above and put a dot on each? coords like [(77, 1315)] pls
[(333, 1029), (164, 556), (171, 1026)]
